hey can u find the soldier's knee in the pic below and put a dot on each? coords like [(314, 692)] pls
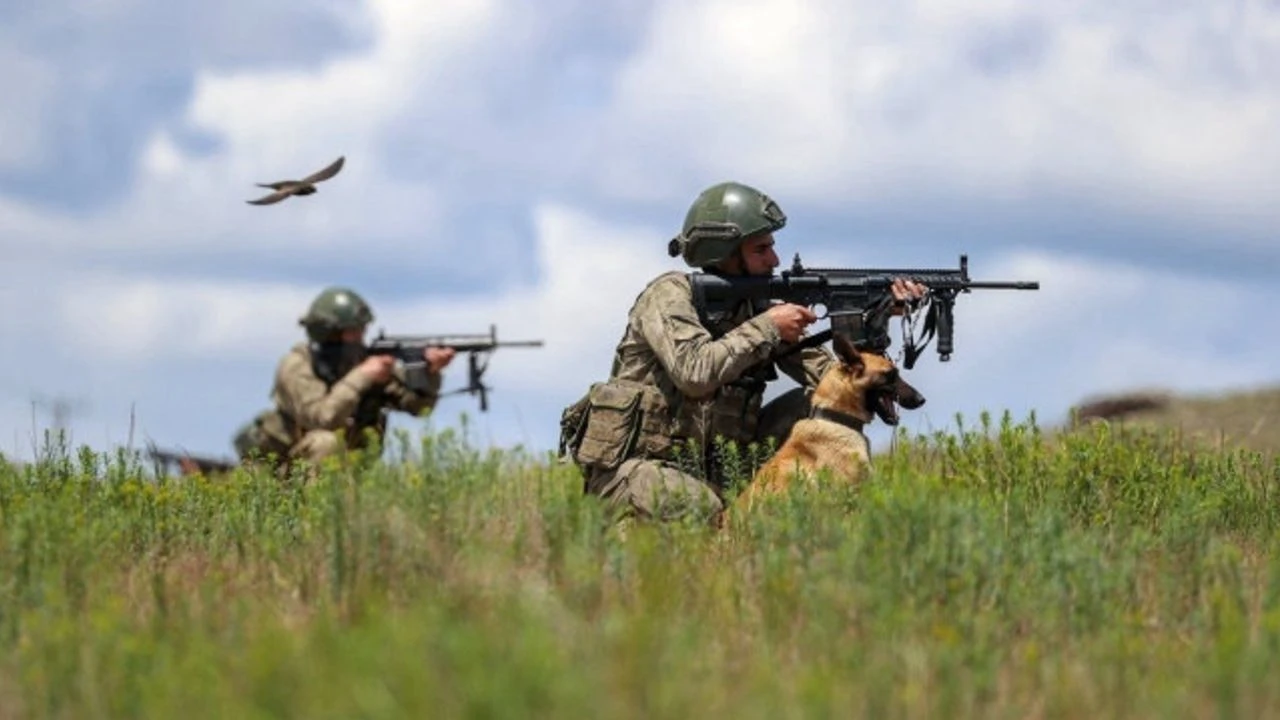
[(659, 491), (317, 445)]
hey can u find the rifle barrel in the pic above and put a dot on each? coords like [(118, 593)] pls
[(485, 345), (998, 285), (478, 342)]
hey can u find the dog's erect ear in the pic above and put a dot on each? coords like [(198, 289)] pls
[(846, 352)]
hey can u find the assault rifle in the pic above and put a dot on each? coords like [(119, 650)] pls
[(186, 463), (859, 302), (408, 349)]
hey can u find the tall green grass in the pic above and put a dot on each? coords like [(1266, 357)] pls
[(992, 572)]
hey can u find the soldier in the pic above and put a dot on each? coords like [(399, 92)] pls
[(330, 385), (682, 381)]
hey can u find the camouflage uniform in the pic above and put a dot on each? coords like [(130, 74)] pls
[(319, 391), (646, 439), (315, 404)]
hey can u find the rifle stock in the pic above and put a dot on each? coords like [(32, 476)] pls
[(186, 463)]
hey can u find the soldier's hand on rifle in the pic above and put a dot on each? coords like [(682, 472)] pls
[(791, 320), (905, 291), (438, 358), (378, 367)]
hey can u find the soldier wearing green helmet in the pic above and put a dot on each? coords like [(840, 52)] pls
[(650, 439), (328, 392)]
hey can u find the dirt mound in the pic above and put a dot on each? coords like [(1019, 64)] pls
[(1248, 418), (1118, 406)]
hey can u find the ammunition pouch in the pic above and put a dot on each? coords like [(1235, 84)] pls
[(735, 413), (573, 424), (268, 433), (614, 421)]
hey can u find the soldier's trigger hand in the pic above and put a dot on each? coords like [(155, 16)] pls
[(438, 358), (378, 367), (791, 320), (904, 290)]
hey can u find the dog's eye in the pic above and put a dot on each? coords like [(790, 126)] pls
[(892, 375)]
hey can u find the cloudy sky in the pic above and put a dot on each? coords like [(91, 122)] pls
[(526, 168)]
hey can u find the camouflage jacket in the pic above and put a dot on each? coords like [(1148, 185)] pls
[(354, 402), (712, 375)]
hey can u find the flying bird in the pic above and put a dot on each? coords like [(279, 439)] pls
[(305, 186)]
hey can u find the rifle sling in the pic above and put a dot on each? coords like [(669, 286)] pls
[(914, 348), (808, 342)]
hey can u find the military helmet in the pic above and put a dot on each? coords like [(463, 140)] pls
[(719, 220), (335, 309)]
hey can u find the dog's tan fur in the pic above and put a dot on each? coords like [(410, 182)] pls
[(853, 386)]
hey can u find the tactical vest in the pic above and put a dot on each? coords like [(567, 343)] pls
[(265, 435)]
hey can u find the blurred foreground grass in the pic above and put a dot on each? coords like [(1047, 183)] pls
[(989, 573)]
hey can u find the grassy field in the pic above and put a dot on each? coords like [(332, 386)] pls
[(998, 572)]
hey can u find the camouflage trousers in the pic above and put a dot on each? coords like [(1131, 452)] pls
[(313, 447), (660, 490), (316, 445)]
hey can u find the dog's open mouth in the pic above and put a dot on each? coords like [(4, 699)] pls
[(885, 406), (885, 400)]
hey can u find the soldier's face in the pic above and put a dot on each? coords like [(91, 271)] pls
[(353, 335), (758, 257)]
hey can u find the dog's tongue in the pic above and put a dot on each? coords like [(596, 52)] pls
[(886, 408)]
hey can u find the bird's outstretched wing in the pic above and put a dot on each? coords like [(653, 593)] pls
[(326, 173), (274, 197)]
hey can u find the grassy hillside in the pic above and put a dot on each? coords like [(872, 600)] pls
[(987, 574), (1244, 418)]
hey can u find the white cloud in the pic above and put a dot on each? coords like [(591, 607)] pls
[(592, 272), (285, 124), (138, 320), (271, 117), (980, 104), (840, 101), (27, 85)]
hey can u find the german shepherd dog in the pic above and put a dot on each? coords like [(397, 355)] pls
[(856, 389)]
